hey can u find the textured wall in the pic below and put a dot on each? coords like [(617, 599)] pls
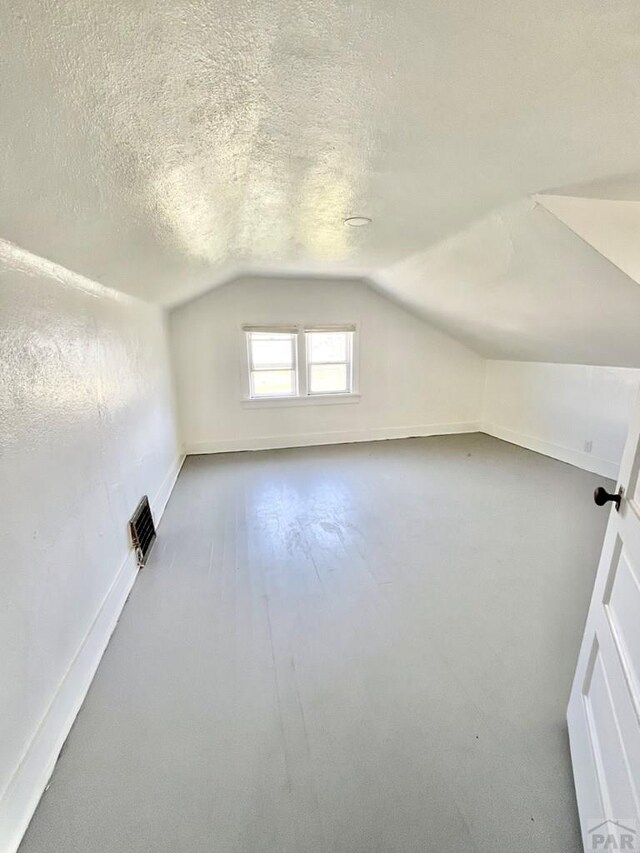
[(86, 427), (411, 376)]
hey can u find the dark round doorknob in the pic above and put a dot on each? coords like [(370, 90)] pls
[(601, 496)]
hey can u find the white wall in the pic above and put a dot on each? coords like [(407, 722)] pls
[(86, 428), (413, 379), (558, 409)]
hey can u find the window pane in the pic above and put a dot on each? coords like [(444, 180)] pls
[(328, 378), (328, 346), (271, 349), (272, 383)]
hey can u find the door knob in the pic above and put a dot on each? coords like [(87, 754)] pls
[(601, 496)]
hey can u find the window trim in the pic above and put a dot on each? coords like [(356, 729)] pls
[(301, 367), (251, 367), (313, 400), (349, 330)]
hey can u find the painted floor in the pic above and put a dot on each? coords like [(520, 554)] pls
[(358, 649)]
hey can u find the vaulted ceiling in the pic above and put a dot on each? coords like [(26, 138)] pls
[(159, 147), (519, 284)]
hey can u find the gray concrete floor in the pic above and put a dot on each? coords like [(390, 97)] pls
[(357, 649)]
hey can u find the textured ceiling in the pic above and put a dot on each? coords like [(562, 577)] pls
[(158, 147)]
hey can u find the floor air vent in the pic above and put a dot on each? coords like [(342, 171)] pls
[(143, 531)]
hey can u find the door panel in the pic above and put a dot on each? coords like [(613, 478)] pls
[(604, 730), (623, 612), (633, 487), (604, 707)]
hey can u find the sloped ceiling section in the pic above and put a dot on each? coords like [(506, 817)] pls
[(612, 226), (520, 285), (160, 148)]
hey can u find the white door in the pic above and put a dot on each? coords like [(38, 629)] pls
[(604, 707)]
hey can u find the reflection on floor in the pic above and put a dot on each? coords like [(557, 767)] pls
[(358, 649)]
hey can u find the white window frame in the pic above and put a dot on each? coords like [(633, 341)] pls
[(348, 330), (251, 368), (302, 397)]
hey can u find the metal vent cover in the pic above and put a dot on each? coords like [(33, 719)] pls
[(143, 531)]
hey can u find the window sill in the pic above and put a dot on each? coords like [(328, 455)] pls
[(309, 400)]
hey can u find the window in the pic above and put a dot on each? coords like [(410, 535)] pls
[(329, 361), (272, 357), (324, 352)]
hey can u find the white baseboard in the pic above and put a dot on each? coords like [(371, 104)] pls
[(310, 439), (578, 458), (23, 793), (21, 796), (159, 502)]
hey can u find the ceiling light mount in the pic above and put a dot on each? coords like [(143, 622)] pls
[(357, 221)]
